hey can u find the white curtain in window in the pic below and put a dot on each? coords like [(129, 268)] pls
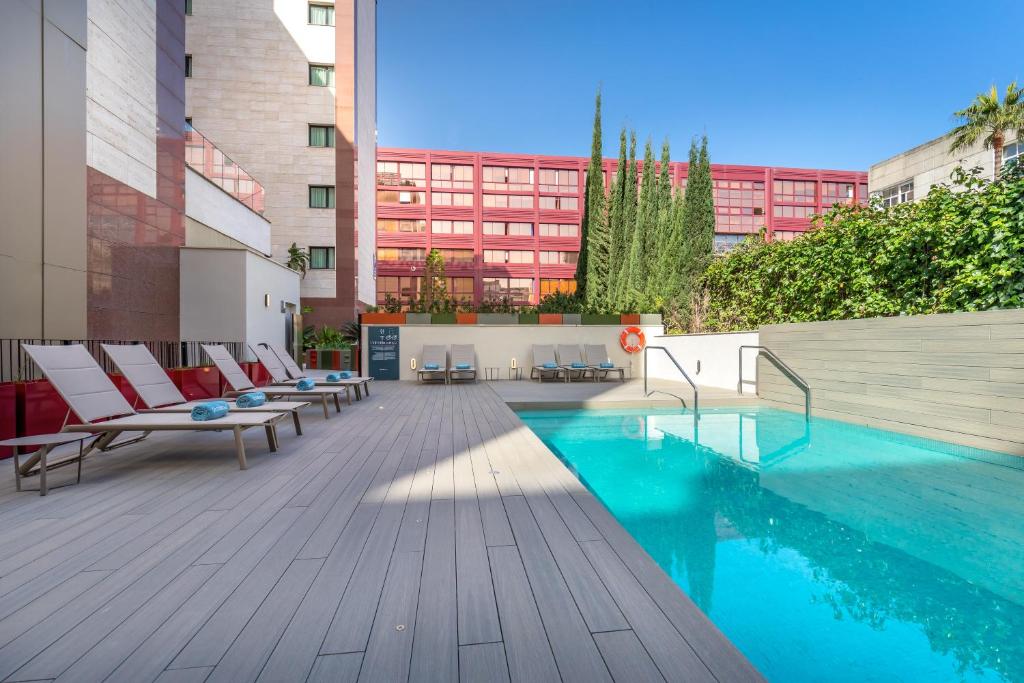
[(321, 15)]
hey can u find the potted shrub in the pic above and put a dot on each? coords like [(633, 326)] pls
[(497, 312), (332, 350)]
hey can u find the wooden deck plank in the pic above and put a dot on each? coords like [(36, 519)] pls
[(483, 663), (626, 658), (389, 648), (334, 669), (435, 651)]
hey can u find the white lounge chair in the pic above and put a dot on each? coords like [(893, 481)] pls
[(600, 362), (545, 365), (294, 372), (158, 393), (239, 383), (571, 362), (465, 355), (279, 375), (437, 356), (104, 411)]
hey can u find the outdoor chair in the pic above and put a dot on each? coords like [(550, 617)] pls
[(600, 363), (434, 364), (463, 363), (571, 362), (545, 365), (294, 372)]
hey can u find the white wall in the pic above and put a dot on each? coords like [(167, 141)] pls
[(263, 276), (215, 208), (718, 355), (366, 148), (496, 345)]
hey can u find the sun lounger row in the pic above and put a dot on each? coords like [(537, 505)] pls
[(568, 363), (438, 365)]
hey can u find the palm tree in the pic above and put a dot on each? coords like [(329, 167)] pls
[(990, 119)]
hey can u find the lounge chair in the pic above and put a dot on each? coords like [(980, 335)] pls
[(279, 376), (239, 383), (294, 372), (157, 392), (571, 361), (464, 355), (437, 358), (545, 365), (600, 362), (104, 411)]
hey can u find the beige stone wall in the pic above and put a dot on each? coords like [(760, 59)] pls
[(956, 377), (249, 94)]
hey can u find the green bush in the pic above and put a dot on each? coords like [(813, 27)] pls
[(560, 302), (959, 249)]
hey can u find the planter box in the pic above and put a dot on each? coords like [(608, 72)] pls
[(550, 319), (382, 318), (600, 319), (41, 409), (126, 390), (529, 319), (442, 319), (497, 319), (197, 383), (572, 319), (629, 319), (465, 318), (417, 318), (257, 374), (329, 359), (8, 416), (650, 318)]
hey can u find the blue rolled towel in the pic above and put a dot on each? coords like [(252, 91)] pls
[(345, 374), (607, 365), (210, 410), (550, 366), (252, 399), (305, 384), (431, 366), (333, 377), (577, 365), (462, 366)]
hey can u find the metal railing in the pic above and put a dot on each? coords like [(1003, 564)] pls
[(16, 366), (789, 372), (209, 161), (693, 385)]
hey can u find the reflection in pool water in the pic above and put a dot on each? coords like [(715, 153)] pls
[(825, 552)]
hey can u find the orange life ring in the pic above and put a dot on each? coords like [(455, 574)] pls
[(641, 341)]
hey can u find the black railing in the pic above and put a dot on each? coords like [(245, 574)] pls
[(16, 366)]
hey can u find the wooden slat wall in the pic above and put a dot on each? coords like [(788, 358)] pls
[(957, 377)]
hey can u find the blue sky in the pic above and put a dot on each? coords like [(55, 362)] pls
[(787, 83)]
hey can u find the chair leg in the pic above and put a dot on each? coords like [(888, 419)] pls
[(366, 389), (270, 438), (323, 401), (81, 456), (295, 419), (42, 470), (348, 395), (337, 402), (240, 448)]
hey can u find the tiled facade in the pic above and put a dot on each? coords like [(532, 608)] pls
[(508, 225)]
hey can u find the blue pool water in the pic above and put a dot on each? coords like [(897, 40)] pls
[(824, 552)]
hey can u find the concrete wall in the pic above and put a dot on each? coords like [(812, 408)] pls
[(717, 355), (215, 208), (267, 323), (497, 345), (366, 148), (956, 377)]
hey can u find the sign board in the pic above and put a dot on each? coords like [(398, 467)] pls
[(383, 351)]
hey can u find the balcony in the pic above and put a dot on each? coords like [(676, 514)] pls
[(206, 159)]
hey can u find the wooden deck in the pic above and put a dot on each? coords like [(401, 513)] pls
[(424, 534)]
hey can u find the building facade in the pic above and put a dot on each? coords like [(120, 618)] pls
[(289, 93), (508, 225), (910, 175)]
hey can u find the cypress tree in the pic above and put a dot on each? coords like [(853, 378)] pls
[(698, 222), (592, 263), (623, 300), (646, 225), (616, 234), (663, 231)]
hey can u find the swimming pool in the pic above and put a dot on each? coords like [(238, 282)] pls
[(825, 551)]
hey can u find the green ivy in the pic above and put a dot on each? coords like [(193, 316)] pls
[(961, 248)]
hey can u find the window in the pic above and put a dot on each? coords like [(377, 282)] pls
[(405, 289), (451, 176), (451, 227), (401, 254), (508, 201), (559, 230), (401, 174), (787, 211), (836, 193), (188, 124), (862, 193), (739, 205), (559, 180), (451, 256), (188, 66), (400, 225), (518, 289), (321, 15), (401, 197), (564, 203), (505, 178), (460, 288), (321, 258), (515, 229), (559, 257), (321, 196), (188, 8), (793, 191), (451, 198), (897, 194), (503, 256), (321, 136), (321, 75), (725, 243), (1013, 151), (552, 285)]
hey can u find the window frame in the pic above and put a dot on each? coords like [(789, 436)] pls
[(330, 134), (188, 65), (309, 13), (330, 254), (316, 65), (330, 196)]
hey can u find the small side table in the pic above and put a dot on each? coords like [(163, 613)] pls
[(515, 373), (37, 461), (491, 374)]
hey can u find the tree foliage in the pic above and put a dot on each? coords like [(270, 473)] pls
[(961, 248), (434, 286), (592, 264), (989, 120)]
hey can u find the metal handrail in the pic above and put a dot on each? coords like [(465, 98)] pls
[(789, 372), (696, 393)]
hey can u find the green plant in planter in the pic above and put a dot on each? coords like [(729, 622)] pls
[(500, 305), (391, 304), (560, 302), (330, 338)]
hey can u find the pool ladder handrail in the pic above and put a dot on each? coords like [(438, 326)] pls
[(789, 372), (693, 385)]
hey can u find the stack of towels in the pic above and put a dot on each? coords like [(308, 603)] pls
[(431, 366), (550, 366), (210, 410), (606, 365), (463, 366), (578, 365), (252, 399), (338, 376), (305, 384)]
